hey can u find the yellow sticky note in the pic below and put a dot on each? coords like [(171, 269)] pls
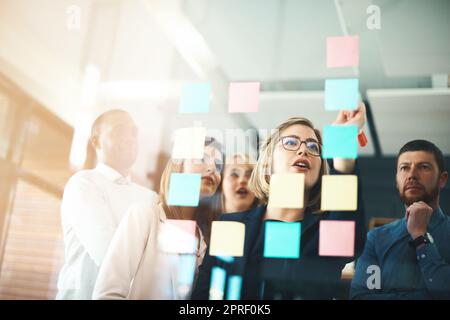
[(189, 143), (286, 190), (339, 192), (227, 239)]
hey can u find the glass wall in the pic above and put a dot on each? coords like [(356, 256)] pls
[(34, 167)]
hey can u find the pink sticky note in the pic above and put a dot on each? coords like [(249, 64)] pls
[(243, 97), (337, 238), (343, 51), (187, 226), (178, 236)]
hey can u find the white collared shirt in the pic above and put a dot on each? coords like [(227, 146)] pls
[(93, 205), (135, 267)]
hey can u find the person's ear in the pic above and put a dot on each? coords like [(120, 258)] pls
[(95, 142), (443, 179)]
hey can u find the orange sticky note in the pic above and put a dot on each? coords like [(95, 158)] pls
[(337, 238), (342, 51)]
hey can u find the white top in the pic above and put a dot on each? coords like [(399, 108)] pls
[(93, 204), (134, 267)]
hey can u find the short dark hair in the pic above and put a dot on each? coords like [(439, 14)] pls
[(427, 146)]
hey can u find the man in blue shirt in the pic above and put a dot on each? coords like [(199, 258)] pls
[(410, 258)]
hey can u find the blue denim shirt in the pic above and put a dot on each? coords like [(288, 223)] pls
[(406, 272)]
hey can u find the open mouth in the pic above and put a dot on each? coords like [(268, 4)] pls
[(208, 180), (302, 164), (242, 191)]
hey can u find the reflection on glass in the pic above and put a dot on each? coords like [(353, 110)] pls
[(46, 151), (34, 245), (5, 125)]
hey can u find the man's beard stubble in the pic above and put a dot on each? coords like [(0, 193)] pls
[(428, 197)]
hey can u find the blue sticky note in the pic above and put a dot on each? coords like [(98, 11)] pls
[(184, 189), (217, 287), (341, 94), (282, 239), (186, 269), (195, 98), (227, 259), (234, 287), (340, 141)]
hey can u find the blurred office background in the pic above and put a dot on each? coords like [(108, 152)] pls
[(63, 62)]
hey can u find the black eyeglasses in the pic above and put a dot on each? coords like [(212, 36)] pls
[(293, 143)]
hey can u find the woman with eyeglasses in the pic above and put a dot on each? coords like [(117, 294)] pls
[(136, 265), (295, 147)]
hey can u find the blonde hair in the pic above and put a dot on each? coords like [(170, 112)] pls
[(260, 179), (207, 211), (238, 159)]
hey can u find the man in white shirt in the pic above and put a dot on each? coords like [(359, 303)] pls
[(95, 201)]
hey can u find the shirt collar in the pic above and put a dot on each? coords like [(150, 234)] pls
[(162, 213), (110, 173)]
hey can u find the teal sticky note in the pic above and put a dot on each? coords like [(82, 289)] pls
[(184, 189), (341, 94), (282, 239), (340, 141), (217, 286), (227, 259), (195, 98), (234, 287), (186, 270)]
